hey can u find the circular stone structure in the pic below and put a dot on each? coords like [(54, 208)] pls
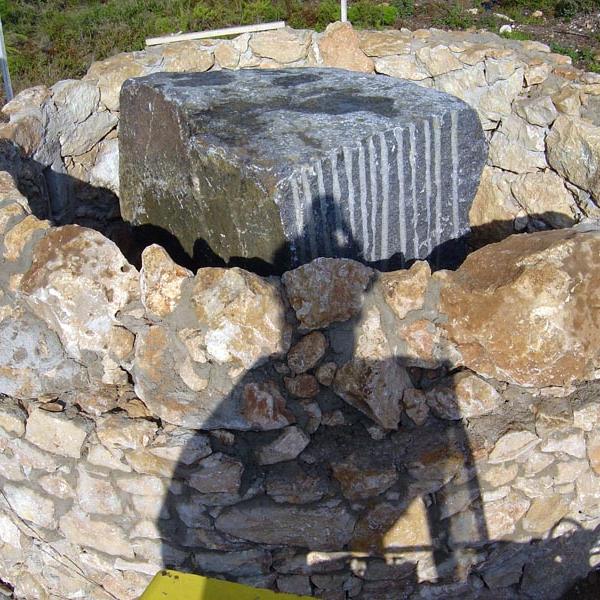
[(288, 165)]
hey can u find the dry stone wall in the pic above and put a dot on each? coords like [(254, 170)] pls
[(540, 113), (335, 432)]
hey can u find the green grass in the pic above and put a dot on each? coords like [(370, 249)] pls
[(50, 40), (516, 35), (584, 56)]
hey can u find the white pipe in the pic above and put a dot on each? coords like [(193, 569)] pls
[(8, 91), (344, 11), (167, 39)]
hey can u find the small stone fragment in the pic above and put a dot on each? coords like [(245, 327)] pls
[(302, 386), (119, 431), (405, 290), (287, 446), (362, 477), (306, 354), (326, 373), (415, 405), (12, 417), (264, 407), (96, 495)]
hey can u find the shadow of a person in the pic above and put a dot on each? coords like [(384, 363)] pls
[(331, 485)]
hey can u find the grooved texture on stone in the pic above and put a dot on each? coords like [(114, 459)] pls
[(289, 165)]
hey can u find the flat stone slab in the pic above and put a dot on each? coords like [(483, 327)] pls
[(287, 165)]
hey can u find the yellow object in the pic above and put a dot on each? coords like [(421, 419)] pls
[(173, 585)]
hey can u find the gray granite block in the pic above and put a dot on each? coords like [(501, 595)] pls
[(287, 165)]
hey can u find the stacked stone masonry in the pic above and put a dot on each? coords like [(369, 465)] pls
[(335, 432), (541, 117)]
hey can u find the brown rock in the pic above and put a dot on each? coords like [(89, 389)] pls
[(373, 387), (326, 290), (363, 477), (387, 527), (325, 373), (523, 310), (405, 290), (18, 236), (264, 407), (119, 431), (186, 56), (340, 47), (422, 339), (306, 354), (244, 314), (545, 513), (593, 450), (501, 516), (160, 281), (227, 55), (415, 405), (302, 386)]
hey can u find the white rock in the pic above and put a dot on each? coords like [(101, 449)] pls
[(512, 445), (9, 532), (57, 432), (30, 505), (96, 494)]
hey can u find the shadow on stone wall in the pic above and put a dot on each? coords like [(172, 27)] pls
[(422, 485)]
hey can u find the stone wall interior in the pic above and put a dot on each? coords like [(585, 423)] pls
[(335, 431)]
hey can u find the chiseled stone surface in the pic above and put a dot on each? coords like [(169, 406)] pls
[(332, 173)]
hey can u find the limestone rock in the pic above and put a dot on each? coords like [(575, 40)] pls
[(463, 396), (87, 134), (438, 59), (244, 313), (79, 99), (110, 75), (306, 354), (29, 98), (30, 505), (501, 516), (21, 234), (362, 477), (289, 483), (404, 66), (78, 281), (302, 386), (227, 55), (56, 432), (319, 182), (326, 290), (520, 311), (283, 45), (96, 495), (404, 291), (120, 432), (324, 526), (545, 513), (494, 209), (160, 281), (384, 43), (512, 445), (384, 529), (79, 529), (186, 56), (264, 407), (574, 151), (340, 47), (218, 473), (375, 388), (544, 196), (12, 417), (290, 443), (538, 111)]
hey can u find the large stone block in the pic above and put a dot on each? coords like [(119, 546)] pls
[(288, 165)]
